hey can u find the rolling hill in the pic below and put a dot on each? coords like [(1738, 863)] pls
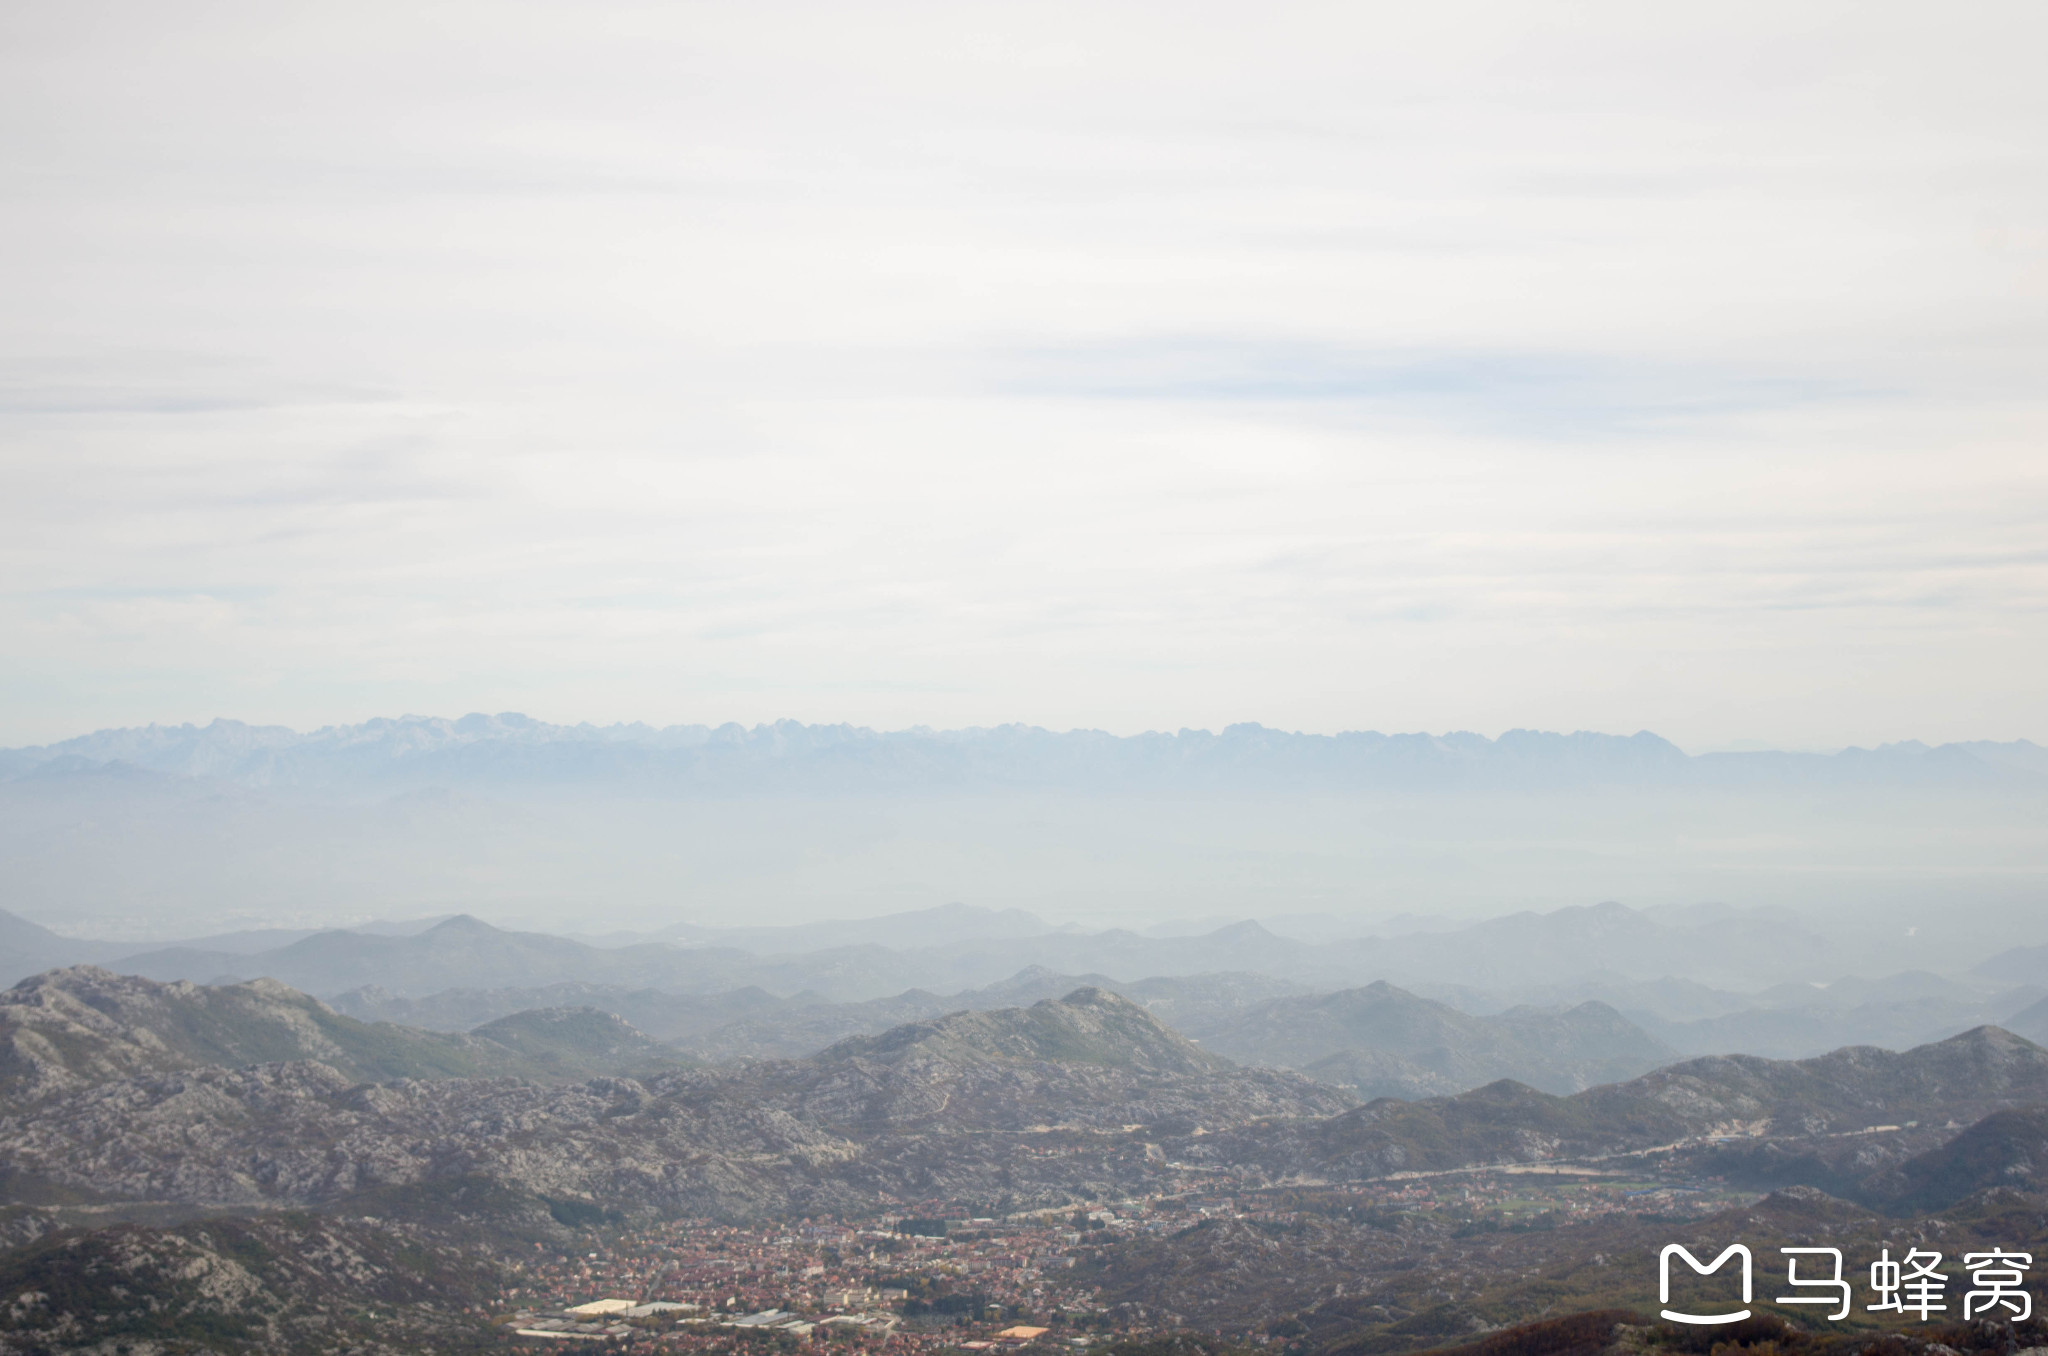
[(1557, 1052), (1088, 1026), (28, 948), (462, 952)]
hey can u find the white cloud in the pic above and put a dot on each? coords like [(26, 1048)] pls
[(1143, 365)]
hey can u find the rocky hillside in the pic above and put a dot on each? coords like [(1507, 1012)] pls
[(1089, 1026), (1348, 1287), (1084, 1096), (664, 1016), (974, 1106), (1372, 1074), (69, 1030), (574, 1042), (1935, 1089), (1952, 1081), (273, 1284), (1557, 1051), (2005, 1149), (791, 1138)]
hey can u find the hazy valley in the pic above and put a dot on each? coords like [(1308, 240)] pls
[(723, 679), (1280, 1159), (1371, 1132), (128, 1097)]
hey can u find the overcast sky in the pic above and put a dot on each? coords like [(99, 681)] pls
[(1335, 366)]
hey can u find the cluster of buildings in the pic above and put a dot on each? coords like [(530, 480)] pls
[(612, 1317), (1530, 1194), (594, 1318), (940, 1278), (698, 1284)]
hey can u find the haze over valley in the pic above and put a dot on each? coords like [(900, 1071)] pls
[(177, 832), (1116, 679), (603, 1082)]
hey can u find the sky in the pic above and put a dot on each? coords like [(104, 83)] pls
[(1131, 366)]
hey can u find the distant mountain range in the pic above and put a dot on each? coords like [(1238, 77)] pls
[(1599, 1015), (1374, 1042), (29, 948), (717, 837), (1713, 946), (1191, 1004), (2021, 965), (461, 952), (126, 1089), (510, 749), (1417, 1047)]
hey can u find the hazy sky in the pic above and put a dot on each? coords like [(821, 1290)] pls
[(1129, 365)]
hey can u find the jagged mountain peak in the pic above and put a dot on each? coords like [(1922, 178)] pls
[(84, 1024), (437, 750)]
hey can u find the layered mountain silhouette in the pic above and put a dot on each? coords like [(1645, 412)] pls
[(509, 747), (1895, 1011), (463, 952), (758, 826), (29, 948), (460, 952), (750, 827), (663, 1015), (803, 1025), (2021, 965), (722, 1002), (1384, 1041)]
